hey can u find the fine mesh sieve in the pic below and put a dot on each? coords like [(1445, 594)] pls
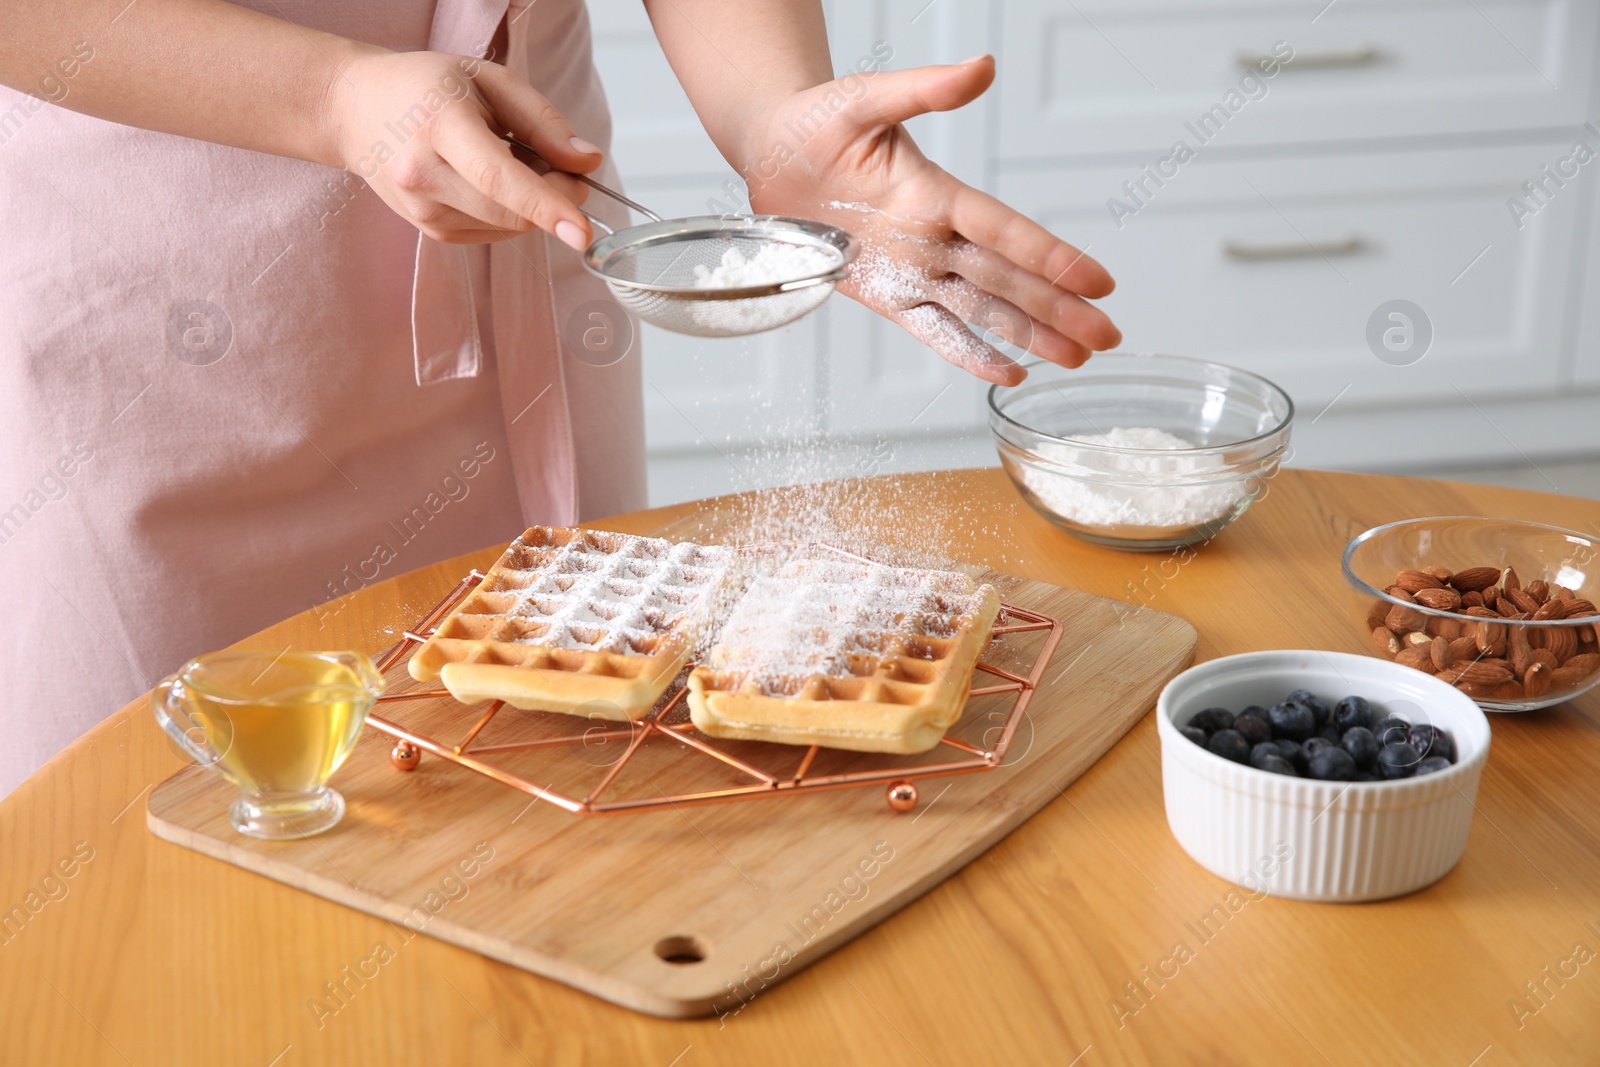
[(650, 268)]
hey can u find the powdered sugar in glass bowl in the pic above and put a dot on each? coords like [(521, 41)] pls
[(1141, 452)]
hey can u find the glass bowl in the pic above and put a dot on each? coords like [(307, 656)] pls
[(1050, 432), (1500, 608)]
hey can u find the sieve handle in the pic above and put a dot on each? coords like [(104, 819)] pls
[(542, 166)]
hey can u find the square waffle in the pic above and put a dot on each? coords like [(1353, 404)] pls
[(577, 621), (846, 655)]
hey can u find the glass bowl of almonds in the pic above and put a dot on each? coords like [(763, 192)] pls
[(1502, 609)]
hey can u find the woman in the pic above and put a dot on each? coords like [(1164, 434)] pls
[(236, 380)]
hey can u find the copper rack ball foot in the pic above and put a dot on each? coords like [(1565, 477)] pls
[(405, 755), (902, 796)]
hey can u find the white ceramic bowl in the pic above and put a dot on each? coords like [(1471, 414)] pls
[(1309, 839)]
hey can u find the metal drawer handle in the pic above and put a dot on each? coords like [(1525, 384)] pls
[(1368, 56), (1255, 253)]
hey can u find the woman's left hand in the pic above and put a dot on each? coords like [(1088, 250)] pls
[(935, 252)]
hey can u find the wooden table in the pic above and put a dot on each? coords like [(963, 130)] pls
[(155, 955)]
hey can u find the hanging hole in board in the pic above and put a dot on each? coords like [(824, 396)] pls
[(681, 950)]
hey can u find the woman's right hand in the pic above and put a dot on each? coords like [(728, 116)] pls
[(423, 129)]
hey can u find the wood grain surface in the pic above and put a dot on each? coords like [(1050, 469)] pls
[(756, 890), (1034, 953)]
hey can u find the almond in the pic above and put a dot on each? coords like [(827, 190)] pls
[(1518, 649), (1536, 680), (1376, 613), (1439, 652), (1472, 600), (1509, 580), (1415, 657), (1506, 607), (1491, 597), (1415, 581), (1545, 656), (1491, 639), (1439, 599), (1562, 642), (1511, 690), (1587, 661), (1402, 619), (1579, 608), (1475, 579), (1384, 640), (1567, 678), (1477, 673), (1561, 592), (1463, 648), (1523, 601), (1439, 573), (1554, 608), (1449, 629), (1539, 589), (1481, 613)]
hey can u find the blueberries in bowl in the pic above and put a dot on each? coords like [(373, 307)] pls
[(1213, 719), (1305, 736), (1252, 729), (1351, 712), (1229, 745), (1291, 719), (1362, 746)]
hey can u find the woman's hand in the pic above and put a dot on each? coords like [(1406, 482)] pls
[(423, 129), (936, 253)]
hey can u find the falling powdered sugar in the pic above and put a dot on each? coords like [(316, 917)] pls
[(1092, 487)]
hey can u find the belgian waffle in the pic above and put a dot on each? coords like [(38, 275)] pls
[(846, 655), (577, 621)]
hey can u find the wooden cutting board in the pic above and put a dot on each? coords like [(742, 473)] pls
[(695, 909)]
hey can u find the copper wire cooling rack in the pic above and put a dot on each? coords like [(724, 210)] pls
[(669, 720)]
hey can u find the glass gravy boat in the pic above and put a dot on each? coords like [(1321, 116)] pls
[(275, 724)]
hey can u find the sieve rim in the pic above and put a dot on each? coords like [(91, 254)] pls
[(804, 232)]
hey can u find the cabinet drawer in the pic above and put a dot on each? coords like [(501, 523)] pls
[(1279, 266), (1082, 78)]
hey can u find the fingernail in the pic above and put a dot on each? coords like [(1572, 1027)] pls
[(584, 146), (979, 58), (571, 234)]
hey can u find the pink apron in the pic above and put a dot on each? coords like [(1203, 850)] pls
[(234, 386)]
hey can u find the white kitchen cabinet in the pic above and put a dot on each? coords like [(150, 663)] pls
[(1086, 78), (1393, 144), (1276, 265)]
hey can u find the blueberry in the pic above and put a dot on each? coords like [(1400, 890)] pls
[(1433, 764), (1229, 745), (1197, 736), (1362, 746), (1364, 776), (1293, 752), (1330, 733), (1276, 765), (1313, 743), (1262, 751), (1432, 741), (1213, 719), (1252, 729), (1386, 729), (1319, 707), (1256, 711), (1292, 720), (1397, 761), (1352, 711), (1332, 765)]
